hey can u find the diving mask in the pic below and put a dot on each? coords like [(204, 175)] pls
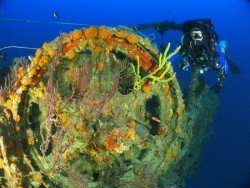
[(196, 35)]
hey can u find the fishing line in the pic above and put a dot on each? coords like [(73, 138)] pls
[(45, 22), (18, 47), (36, 21)]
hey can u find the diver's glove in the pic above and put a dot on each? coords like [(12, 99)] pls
[(216, 88)]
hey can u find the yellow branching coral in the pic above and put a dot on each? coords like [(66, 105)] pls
[(163, 66)]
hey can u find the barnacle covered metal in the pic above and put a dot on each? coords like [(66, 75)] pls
[(71, 117)]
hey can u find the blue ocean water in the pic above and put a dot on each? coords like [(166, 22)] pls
[(225, 160)]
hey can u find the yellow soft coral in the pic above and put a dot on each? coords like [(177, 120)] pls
[(80, 126), (91, 33), (70, 54), (170, 153), (38, 52), (51, 52), (63, 118), (21, 72), (77, 34), (38, 91), (132, 38), (8, 104), (121, 34), (98, 49), (1, 163), (15, 96), (131, 134), (45, 46), (43, 60), (103, 33), (16, 117), (26, 80)]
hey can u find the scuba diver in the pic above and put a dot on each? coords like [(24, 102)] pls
[(200, 48)]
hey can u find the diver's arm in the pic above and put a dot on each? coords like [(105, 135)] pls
[(221, 66), (222, 74), (220, 80), (161, 27)]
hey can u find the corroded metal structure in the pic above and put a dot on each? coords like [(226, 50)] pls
[(99, 107)]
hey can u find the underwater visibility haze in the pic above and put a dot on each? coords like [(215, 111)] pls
[(89, 99)]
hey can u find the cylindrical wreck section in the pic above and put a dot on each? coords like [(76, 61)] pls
[(99, 107)]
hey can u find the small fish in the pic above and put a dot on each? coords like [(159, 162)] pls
[(156, 119), (56, 15)]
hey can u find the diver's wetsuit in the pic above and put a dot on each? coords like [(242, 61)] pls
[(208, 54)]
